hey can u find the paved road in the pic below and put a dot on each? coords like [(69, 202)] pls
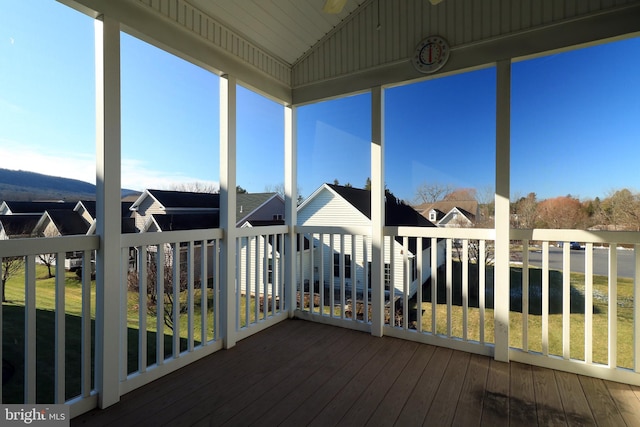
[(626, 263)]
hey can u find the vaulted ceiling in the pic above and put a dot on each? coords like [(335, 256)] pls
[(285, 28), (295, 52)]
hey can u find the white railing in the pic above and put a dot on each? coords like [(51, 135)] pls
[(582, 317), (62, 340), (260, 277), (439, 289), (333, 267), (451, 301), (333, 275)]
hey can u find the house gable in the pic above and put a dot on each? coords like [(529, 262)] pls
[(86, 208), (444, 210), (354, 208), (155, 202), (326, 206), (61, 223), (259, 208), (457, 217)]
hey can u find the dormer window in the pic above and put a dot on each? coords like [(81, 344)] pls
[(432, 215)]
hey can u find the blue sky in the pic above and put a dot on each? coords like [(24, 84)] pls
[(575, 127)]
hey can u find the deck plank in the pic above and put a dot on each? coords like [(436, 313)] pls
[(333, 412), (626, 401), (601, 403), (522, 400), (228, 394), (415, 409), (365, 405), (344, 352), (319, 398), (249, 404), (574, 402), (472, 395), (442, 410), (389, 409), (495, 410), (548, 403)]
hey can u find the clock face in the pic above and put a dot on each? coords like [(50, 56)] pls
[(431, 54)]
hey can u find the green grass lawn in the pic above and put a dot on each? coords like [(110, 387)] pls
[(534, 320)]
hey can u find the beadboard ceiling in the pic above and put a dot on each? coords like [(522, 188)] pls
[(285, 28)]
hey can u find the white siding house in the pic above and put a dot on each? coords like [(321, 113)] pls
[(259, 257), (350, 207)]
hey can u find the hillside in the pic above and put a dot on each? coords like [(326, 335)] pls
[(23, 185)]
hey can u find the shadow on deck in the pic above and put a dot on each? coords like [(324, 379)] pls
[(302, 373)]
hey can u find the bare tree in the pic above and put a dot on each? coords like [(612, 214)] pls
[(49, 260), (621, 209), (432, 192), (279, 188), (196, 187), (133, 283), (525, 211), (276, 188), (487, 206), (11, 266)]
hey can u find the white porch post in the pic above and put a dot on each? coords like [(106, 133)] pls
[(228, 92), (291, 204), (107, 51), (502, 218), (377, 211)]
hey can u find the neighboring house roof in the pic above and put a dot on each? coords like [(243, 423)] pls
[(183, 221), (470, 206), (9, 207), (89, 206), (396, 212), (247, 203), (17, 226), (66, 222), (172, 200), (469, 215)]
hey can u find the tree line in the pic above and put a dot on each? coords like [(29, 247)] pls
[(618, 210)]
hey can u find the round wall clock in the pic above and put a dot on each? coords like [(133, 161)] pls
[(431, 54)]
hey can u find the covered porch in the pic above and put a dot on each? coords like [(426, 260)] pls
[(458, 351)]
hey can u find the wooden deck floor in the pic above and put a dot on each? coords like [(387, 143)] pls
[(301, 373)]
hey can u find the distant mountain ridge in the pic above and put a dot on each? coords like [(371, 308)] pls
[(24, 185)]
